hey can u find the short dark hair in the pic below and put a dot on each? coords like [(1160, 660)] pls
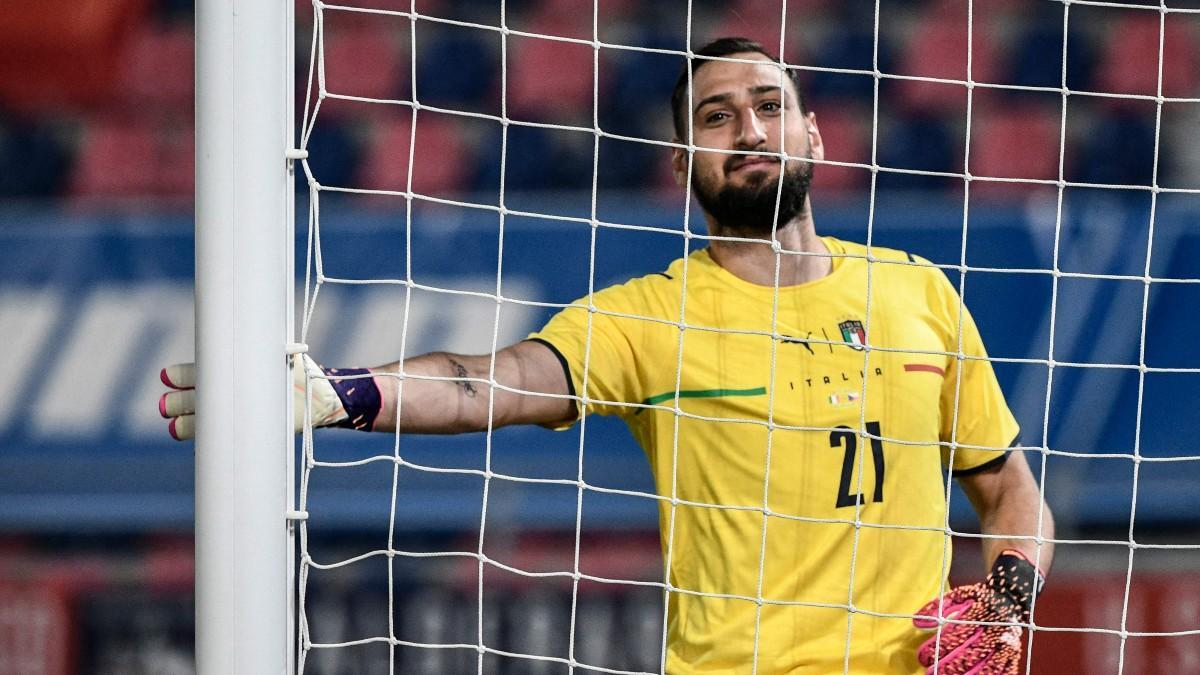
[(716, 49)]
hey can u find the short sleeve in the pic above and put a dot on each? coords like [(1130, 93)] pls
[(974, 413), (609, 341)]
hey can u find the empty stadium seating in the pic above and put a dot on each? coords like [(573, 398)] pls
[(550, 80), (1019, 142), (918, 143), (64, 55), (116, 122), (845, 132), (939, 48), (366, 59), (157, 69), (33, 159), (1130, 61), (116, 159), (440, 165)]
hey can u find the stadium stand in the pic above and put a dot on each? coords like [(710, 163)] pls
[(116, 159), (351, 44), (78, 68), (57, 106), (158, 69), (845, 133), (1014, 142), (1129, 64), (938, 48), (549, 80), (440, 153)]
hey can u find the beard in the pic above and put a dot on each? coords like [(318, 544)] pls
[(750, 209)]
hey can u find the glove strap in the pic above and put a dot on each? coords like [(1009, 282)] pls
[(1014, 577), (359, 396)]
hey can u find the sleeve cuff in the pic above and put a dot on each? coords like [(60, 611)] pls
[(990, 464), (562, 360)]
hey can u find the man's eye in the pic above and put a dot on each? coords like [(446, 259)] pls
[(716, 116), (770, 106)]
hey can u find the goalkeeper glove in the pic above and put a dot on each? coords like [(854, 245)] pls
[(984, 638), (352, 403)]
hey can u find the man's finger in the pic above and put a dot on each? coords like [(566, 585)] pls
[(182, 428), (949, 607), (179, 376), (176, 403)]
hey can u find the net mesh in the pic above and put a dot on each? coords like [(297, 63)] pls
[(888, 82)]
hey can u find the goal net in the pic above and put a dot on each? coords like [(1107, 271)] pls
[(473, 168)]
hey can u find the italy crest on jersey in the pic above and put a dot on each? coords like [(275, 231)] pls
[(853, 333)]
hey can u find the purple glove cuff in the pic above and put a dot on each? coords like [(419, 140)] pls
[(359, 396)]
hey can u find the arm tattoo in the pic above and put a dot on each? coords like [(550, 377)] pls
[(460, 371)]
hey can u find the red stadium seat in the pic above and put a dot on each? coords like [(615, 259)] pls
[(938, 49), (760, 20), (116, 159), (567, 18), (158, 69), (984, 11), (610, 12), (572, 18), (1014, 142), (549, 80), (365, 59), (847, 138), (134, 159), (1129, 64), (57, 54), (177, 162), (664, 189), (441, 161)]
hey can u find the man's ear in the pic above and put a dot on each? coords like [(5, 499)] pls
[(679, 164), (814, 137)]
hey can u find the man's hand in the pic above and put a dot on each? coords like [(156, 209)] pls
[(983, 637), (179, 406)]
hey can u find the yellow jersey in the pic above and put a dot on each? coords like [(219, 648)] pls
[(799, 435)]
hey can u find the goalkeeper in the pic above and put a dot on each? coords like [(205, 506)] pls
[(841, 380)]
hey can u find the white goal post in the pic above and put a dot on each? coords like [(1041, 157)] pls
[(243, 327)]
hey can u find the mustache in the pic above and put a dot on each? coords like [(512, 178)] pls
[(735, 161)]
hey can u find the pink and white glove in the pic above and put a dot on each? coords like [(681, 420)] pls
[(179, 406), (332, 401), (983, 636)]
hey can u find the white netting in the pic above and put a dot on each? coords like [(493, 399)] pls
[(480, 646)]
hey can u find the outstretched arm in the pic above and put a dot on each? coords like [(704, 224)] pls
[(459, 402), (441, 393)]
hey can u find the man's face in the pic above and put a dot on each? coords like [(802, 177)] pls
[(742, 106)]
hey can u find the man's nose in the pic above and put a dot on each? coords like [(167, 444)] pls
[(752, 132)]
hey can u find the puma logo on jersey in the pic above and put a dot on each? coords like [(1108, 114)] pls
[(790, 340)]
